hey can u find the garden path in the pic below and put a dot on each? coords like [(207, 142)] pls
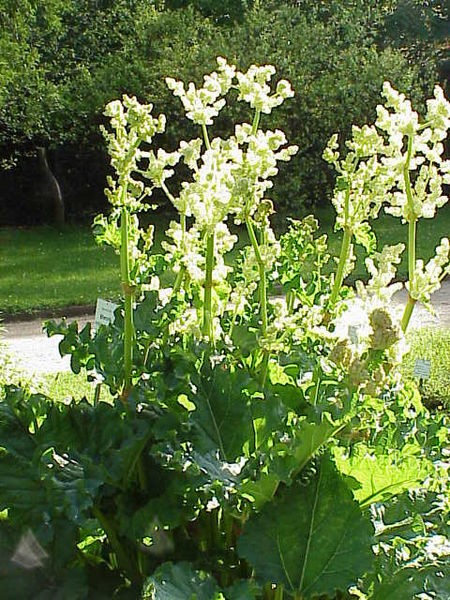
[(36, 353)]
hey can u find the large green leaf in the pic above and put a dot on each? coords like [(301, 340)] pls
[(313, 539), (382, 476), (306, 439), (230, 415), (180, 582), (288, 457)]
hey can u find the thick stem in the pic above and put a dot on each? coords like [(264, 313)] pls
[(262, 276), (123, 559), (256, 120), (205, 136), (207, 299), (128, 335), (178, 280), (407, 313), (412, 231), (279, 592), (182, 272), (262, 288), (343, 258)]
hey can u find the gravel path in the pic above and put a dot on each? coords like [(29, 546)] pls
[(38, 354)]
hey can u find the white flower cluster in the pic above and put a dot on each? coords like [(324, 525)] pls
[(131, 124), (254, 88), (381, 267), (427, 278), (203, 104), (360, 189), (398, 164), (157, 170), (412, 156), (229, 179)]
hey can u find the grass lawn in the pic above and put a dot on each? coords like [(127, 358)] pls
[(431, 344), (42, 268), (390, 231), (45, 268)]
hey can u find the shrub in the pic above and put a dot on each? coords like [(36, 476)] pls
[(73, 59), (258, 447)]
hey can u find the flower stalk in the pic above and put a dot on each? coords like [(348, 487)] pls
[(208, 288), (412, 229), (343, 259), (128, 291)]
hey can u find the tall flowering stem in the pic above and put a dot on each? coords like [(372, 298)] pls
[(344, 254), (414, 182), (262, 285), (208, 288), (130, 124), (412, 229), (262, 275), (207, 328), (128, 333), (343, 260)]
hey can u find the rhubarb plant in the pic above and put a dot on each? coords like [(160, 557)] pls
[(258, 447)]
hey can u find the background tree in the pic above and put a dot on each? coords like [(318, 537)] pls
[(63, 60)]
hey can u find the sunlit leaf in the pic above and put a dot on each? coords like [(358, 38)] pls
[(313, 540)]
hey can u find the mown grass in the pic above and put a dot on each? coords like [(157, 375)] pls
[(45, 268), (66, 385), (390, 231), (432, 344), (42, 268)]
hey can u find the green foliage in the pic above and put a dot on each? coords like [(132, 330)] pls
[(50, 53), (290, 542), (413, 547), (66, 60), (252, 438)]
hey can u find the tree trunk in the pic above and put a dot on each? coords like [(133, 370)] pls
[(53, 187)]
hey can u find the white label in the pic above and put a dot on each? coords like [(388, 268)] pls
[(104, 312), (353, 334), (422, 368)]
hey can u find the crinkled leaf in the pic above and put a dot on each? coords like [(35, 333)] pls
[(180, 582), (382, 476), (312, 539), (288, 457), (295, 453), (72, 485), (262, 490), (413, 582), (413, 558), (223, 419), (217, 470)]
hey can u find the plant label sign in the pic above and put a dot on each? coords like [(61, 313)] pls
[(422, 368), (104, 312)]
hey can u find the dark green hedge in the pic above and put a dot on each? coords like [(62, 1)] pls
[(330, 51)]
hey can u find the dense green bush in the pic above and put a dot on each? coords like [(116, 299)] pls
[(331, 60), (66, 60)]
